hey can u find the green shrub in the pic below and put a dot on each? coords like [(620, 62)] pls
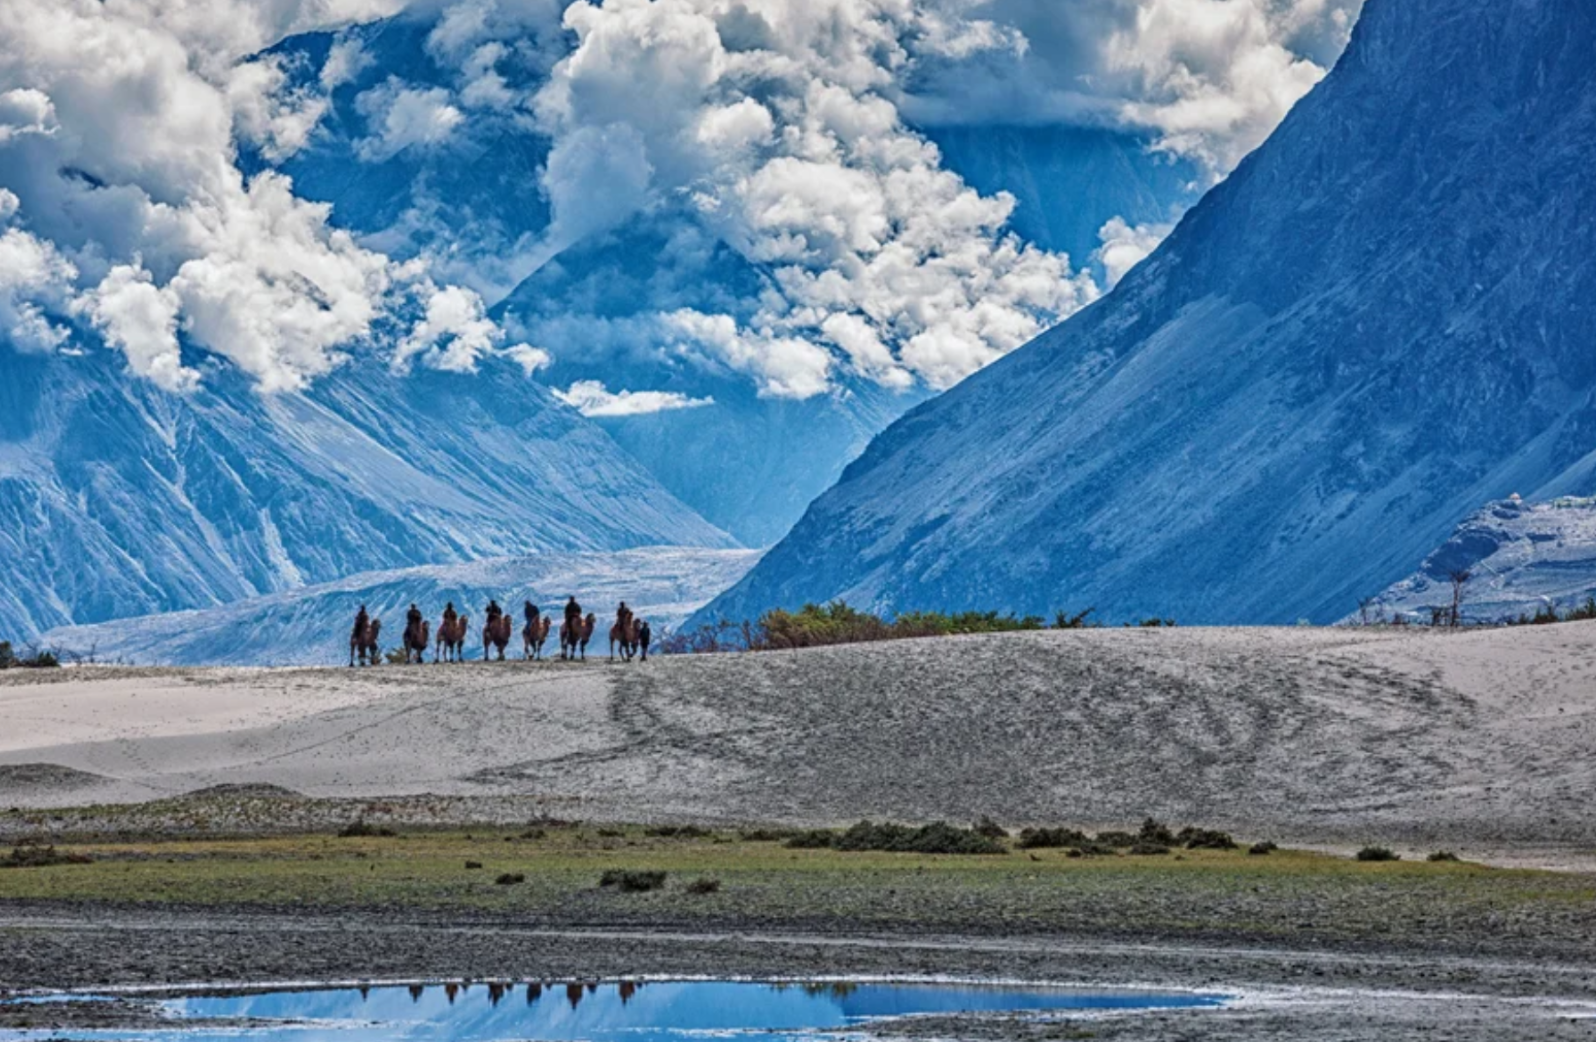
[(510, 879), (359, 829), (1115, 838), (1035, 839), (768, 835), (1090, 849), (678, 832), (9, 659), (629, 881), (815, 626), (1260, 849), (936, 838), (704, 886), (1378, 854), (812, 839), (990, 829), (1155, 831), (1443, 855), (1204, 839), (1146, 848), (32, 855)]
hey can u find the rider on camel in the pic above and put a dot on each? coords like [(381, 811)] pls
[(449, 614), (573, 612), (362, 620), (413, 619), (623, 615), (494, 611), (530, 610)]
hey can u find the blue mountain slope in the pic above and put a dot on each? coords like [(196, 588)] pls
[(1381, 320), (119, 499), (1069, 181)]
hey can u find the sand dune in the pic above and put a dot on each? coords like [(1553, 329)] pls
[(1475, 739)]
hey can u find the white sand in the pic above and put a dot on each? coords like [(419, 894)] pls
[(1479, 740)]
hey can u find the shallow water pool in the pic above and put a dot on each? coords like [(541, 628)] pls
[(661, 1011)]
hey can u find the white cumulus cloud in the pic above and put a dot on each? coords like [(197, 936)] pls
[(1125, 246), (592, 398), (35, 279), (773, 125), (454, 334), (1208, 79), (141, 318), (400, 117), (119, 153)]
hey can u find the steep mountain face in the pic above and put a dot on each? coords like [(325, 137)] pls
[(310, 626), (119, 499), (1520, 558), (1382, 319)]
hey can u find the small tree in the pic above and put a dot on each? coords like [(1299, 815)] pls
[(1460, 579), (8, 658)]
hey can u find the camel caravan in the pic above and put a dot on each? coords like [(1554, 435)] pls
[(630, 637)]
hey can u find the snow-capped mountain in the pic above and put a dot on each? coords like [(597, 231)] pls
[(1382, 319), (1520, 558), (119, 499), (310, 626)]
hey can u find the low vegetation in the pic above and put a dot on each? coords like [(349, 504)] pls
[(1087, 889), (632, 881), (1548, 614), (1378, 854), (936, 838), (37, 855), (33, 658), (815, 626), (1039, 839)]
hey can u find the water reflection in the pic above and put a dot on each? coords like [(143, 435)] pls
[(622, 1011)]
